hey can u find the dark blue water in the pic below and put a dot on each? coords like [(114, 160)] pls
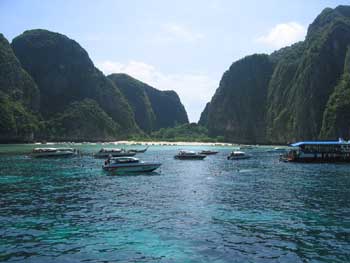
[(256, 210)]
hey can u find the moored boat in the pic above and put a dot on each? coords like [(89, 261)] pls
[(113, 152), (189, 155), (129, 165), (208, 152), (53, 152), (246, 147), (138, 151), (238, 155), (318, 151)]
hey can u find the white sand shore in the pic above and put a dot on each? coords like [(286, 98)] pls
[(174, 143)]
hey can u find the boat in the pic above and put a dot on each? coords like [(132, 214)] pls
[(138, 151), (113, 152), (129, 165), (318, 151), (208, 152), (238, 155), (246, 147), (53, 152), (189, 155)]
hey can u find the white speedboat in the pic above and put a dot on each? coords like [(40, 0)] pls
[(53, 152), (189, 155), (114, 152), (129, 165), (238, 155)]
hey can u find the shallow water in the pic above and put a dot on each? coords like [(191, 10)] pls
[(255, 210)]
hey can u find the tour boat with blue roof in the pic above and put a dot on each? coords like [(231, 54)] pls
[(319, 151)]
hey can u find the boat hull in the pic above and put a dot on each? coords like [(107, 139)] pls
[(238, 157), (195, 157), (53, 154), (115, 154), (315, 160), (137, 168), (208, 152)]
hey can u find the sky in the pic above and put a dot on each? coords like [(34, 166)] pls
[(183, 45)]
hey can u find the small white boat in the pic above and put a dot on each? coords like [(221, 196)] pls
[(114, 152), (238, 155), (189, 155), (129, 165), (53, 152)]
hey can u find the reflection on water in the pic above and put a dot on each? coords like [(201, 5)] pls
[(255, 210)]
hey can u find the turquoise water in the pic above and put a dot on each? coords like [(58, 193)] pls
[(255, 210)]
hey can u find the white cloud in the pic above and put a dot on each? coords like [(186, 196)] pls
[(194, 89), (283, 35), (177, 33)]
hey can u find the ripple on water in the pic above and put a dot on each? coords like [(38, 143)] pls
[(256, 210)]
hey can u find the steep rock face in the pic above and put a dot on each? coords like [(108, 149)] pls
[(336, 118), (319, 64), (167, 107), (19, 98), (203, 120), (240, 101), (303, 84), (281, 96), (154, 109), (135, 93), (14, 80), (64, 74)]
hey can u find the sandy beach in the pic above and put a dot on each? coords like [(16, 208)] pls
[(148, 143)]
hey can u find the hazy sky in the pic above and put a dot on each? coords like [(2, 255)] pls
[(182, 45)]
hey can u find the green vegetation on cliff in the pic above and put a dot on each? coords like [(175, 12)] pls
[(188, 132), (240, 101), (136, 95), (64, 74), (17, 123), (154, 109), (336, 118), (83, 120), (185, 132), (293, 94), (19, 97), (14, 80), (50, 89)]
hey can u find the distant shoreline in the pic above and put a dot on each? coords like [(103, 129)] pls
[(144, 143)]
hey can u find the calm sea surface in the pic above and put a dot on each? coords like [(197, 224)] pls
[(256, 210)]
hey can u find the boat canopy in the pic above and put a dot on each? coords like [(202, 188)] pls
[(44, 149), (237, 153), (125, 160), (52, 149), (187, 152), (110, 150), (339, 142)]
